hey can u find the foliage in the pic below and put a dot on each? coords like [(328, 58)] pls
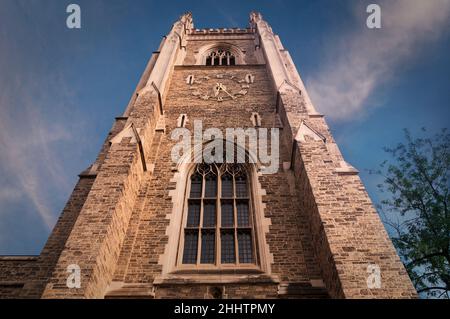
[(417, 209)]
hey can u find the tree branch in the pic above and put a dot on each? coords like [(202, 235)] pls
[(432, 288), (415, 261)]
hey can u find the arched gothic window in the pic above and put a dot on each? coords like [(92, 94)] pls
[(220, 57), (218, 227)]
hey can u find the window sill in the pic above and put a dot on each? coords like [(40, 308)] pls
[(244, 276), (201, 66), (224, 269)]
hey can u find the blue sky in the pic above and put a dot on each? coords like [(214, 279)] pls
[(60, 89)]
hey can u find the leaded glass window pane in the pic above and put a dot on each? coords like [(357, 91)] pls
[(208, 255), (190, 247), (209, 214), (242, 214), (227, 186), (241, 187), (211, 186), (196, 186), (193, 219), (227, 214), (245, 247), (227, 247)]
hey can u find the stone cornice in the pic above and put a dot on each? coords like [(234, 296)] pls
[(232, 67), (221, 31)]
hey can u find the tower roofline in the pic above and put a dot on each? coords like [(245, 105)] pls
[(188, 20)]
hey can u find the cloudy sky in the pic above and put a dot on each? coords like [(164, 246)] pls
[(60, 89)]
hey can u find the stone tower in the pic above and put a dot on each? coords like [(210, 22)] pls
[(139, 224)]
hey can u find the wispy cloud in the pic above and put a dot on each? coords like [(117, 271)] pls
[(37, 120), (8, 194), (361, 60), (29, 157)]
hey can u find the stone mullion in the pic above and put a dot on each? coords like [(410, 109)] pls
[(218, 218), (252, 222), (235, 224), (200, 225)]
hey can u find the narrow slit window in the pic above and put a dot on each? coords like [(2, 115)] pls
[(216, 60)]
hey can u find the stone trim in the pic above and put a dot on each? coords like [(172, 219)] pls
[(305, 130), (222, 31), (200, 67), (128, 131), (19, 258), (175, 279), (122, 290)]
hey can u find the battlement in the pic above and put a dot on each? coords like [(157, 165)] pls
[(221, 31)]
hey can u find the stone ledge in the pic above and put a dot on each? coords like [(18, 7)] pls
[(87, 175), (225, 67), (301, 290), (19, 258), (315, 115), (12, 284), (121, 290), (215, 279), (346, 169)]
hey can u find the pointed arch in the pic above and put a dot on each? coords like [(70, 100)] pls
[(212, 252), (220, 53)]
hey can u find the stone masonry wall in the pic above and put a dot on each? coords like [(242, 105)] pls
[(14, 273), (98, 234), (46, 262), (348, 233), (289, 238)]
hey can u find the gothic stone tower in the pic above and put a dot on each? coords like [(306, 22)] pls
[(140, 225)]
